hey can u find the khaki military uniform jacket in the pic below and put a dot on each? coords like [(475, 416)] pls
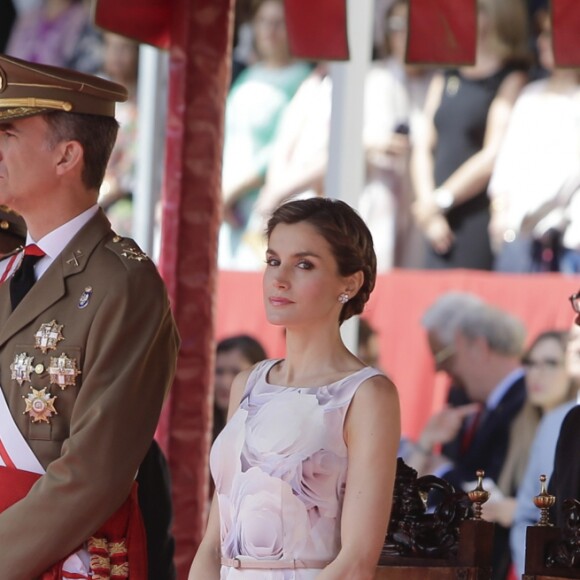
[(118, 327)]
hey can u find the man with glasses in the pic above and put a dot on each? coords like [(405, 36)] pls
[(487, 349)]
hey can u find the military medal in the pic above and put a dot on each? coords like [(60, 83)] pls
[(63, 371), (22, 368), (85, 297), (134, 254), (48, 336), (39, 405)]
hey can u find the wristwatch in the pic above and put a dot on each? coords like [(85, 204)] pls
[(443, 199)]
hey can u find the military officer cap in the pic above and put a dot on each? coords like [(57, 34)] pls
[(30, 89), (11, 222)]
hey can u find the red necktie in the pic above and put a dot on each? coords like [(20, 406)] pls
[(470, 430), (24, 278)]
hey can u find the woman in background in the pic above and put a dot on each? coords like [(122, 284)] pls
[(254, 106), (467, 111)]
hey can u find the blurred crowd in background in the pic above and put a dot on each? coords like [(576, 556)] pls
[(473, 167)]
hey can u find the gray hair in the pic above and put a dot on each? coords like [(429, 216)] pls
[(443, 316), (505, 334)]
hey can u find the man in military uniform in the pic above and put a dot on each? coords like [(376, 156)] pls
[(88, 344)]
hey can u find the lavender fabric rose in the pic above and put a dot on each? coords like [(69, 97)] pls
[(280, 469)]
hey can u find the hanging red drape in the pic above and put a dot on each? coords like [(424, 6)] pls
[(317, 30), (442, 32), (198, 82), (565, 27), (147, 21)]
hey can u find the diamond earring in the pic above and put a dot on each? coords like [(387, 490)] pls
[(343, 298)]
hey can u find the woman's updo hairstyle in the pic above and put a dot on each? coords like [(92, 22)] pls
[(347, 235)]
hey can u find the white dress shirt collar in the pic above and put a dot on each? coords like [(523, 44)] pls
[(53, 243), (502, 388)]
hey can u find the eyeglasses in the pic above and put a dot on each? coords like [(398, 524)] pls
[(549, 364), (444, 354), (575, 301)]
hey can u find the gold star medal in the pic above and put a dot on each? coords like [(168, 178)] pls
[(48, 336), (39, 405), (63, 371), (22, 368)]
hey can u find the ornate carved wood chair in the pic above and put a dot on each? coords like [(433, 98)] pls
[(448, 542), (553, 553)]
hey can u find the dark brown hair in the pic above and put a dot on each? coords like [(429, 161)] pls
[(95, 133), (347, 235)]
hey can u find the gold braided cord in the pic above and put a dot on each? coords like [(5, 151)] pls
[(120, 571), (33, 102), (117, 548), (100, 564)]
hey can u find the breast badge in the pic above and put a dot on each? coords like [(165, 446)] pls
[(85, 297), (39, 405), (48, 336), (63, 371), (22, 368)]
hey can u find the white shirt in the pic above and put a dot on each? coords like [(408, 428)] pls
[(56, 241)]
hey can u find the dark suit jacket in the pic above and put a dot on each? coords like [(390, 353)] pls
[(489, 445), (565, 481), (487, 451)]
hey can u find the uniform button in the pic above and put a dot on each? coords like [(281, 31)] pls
[(39, 369)]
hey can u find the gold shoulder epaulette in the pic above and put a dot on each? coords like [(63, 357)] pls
[(127, 248)]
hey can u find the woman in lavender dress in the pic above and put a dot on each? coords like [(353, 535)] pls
[(305, 467)]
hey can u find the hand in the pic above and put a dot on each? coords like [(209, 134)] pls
[(424, 210), (398, 145), (444, 426), (497, 229), (500, 511), (229, 215), (438, 233)]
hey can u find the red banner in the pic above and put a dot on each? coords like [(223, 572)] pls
[(317, 30), (442, 32), (565, 27), (145, 21)]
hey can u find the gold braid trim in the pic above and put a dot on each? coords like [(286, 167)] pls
[(117, 548), (120, 571), (98, 546), (100, 564)]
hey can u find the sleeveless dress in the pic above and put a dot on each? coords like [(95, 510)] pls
[(279, 468), (461, 121)]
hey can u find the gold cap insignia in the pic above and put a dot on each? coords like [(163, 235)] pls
[(39, 405), (48, 336), (22, 368), (63, 371)]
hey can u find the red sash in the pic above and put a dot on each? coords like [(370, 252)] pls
[(118, 544)]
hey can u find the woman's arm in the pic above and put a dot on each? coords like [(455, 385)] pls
[(422, 164), (207, 562), (473, 175), (372, 434)]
